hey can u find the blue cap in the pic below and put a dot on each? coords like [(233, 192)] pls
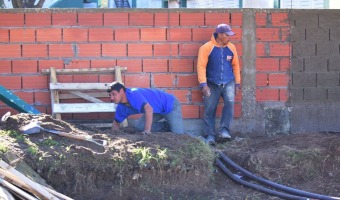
[(224, 28)]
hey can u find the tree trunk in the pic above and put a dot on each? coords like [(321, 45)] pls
[(27, 4)]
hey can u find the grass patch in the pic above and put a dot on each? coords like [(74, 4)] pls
[(194, 157), (33, 150), (144, 155), (17, 136), (49, 142), (305, 160)]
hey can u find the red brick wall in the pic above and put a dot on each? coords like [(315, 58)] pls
[(159, 48), (272, 56)]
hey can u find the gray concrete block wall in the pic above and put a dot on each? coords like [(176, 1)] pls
[(328, 79), (316, 55), (334, 63), (303, 79), (327, 48), (315, 71), (316, 64), (334, 95)]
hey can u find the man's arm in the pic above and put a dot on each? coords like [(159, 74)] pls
[(202, 61), (148, 118)]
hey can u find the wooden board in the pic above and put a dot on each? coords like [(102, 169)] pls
[(79, 86), (87, 97), (84, 71), (92, 94), (22, 167), (54, 93), (84, 107), (5, 194)]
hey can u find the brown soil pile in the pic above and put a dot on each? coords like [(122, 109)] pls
[(166, 165)]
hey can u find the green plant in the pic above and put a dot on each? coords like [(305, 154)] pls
[(143, 155), (12, 133), (161, 154), (49, 142), (33, 150), (3, 148), (68, 149), (3, 132)]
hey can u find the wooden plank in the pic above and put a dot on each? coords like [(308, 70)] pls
[(39, 191), (15, 190), (87, 97), (83, 71), (22, 167), (79, 86), (84, 107), (93, 94), (5, 194), (54, 93)]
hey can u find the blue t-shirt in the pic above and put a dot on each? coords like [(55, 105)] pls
[(160, 101)]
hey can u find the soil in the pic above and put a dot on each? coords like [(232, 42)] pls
[(166, 165)]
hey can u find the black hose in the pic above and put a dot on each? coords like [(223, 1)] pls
[(273, 184), (257, 187)]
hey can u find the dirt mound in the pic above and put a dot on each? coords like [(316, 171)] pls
[(130, 166), (309, 162), (166, 165)]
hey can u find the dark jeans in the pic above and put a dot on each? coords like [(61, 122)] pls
[(174, 121), (227, 92)]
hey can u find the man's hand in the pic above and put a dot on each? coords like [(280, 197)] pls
[(115, 126), (206, 90), (145, 132)]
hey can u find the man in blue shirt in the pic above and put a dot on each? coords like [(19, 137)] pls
[(154, 103)]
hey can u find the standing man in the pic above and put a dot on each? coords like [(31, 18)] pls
[(154, 103), (219, 75)]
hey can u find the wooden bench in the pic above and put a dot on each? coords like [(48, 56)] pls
[(91, 92)]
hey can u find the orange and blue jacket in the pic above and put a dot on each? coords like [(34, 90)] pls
[(218, 64)]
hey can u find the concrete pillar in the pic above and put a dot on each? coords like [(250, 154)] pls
[(248, 123)]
